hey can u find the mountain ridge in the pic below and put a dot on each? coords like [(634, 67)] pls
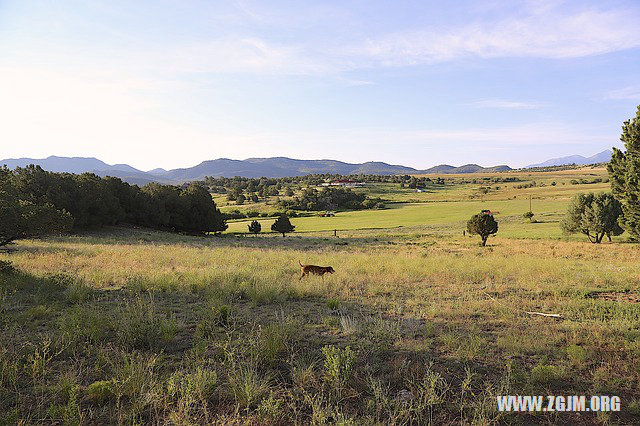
[(601, 157), (271, 167)]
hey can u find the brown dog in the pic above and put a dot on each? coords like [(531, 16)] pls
[(314, 269)]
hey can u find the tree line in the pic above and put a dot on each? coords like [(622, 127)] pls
[(35, 202), (329, 198)]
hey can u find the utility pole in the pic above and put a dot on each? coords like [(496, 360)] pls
[(530, 203)]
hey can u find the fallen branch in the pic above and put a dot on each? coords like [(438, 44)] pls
[(543, 314), (516, 309)]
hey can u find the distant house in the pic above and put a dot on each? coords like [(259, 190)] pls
[(347, 183)]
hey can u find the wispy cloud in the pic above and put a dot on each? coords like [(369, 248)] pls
[(631, 93), (504, 104), (544, 32), (540, 32)]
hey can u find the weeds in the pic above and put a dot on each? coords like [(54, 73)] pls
[(142, 326), (338, 365)]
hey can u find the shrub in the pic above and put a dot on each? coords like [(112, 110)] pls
[(255, 227), (577, 354), (545, 374), (100, 392), (6, 267), (338, 364)]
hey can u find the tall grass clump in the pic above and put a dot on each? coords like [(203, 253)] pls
[(142, 326), (247, 385), (211, 319), (273, 340), (190, 395)]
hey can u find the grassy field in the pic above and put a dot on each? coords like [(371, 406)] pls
[(448, 207), (419, 325)]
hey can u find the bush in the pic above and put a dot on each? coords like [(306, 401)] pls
[(338, 364), (100, 392), (6, 267), (545, 374)]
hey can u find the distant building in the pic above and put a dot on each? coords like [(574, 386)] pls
[(344, 183)]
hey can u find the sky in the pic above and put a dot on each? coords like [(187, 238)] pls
[(171, 83)]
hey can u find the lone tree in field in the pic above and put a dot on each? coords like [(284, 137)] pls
[(282, 225), (594, 215), (624, 173), (482, 224), (255, 227)]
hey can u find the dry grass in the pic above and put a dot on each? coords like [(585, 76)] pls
[(226, 325)]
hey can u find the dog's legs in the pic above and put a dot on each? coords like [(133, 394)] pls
[(302, 276)]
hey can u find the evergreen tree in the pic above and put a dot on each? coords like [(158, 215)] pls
[(482, 224), (21, 218), (282, 225), (255, 227), (624, 173), (594, 215)]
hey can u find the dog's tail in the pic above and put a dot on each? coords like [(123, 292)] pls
[(300, 263)]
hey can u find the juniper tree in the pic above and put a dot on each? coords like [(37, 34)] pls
[(21, 218), (594, 215), (624, 173), (482, 224), (282, 225), (255, 227)]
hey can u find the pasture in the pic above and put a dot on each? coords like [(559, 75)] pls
[(419, 325)]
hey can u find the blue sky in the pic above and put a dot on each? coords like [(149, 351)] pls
[(170, 83)]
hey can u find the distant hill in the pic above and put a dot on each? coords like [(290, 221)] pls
[(601, 157), (467, 168), (84, 164), (223, 167)]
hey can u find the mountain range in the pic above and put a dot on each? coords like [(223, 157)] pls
[(224, 167), (601, 157)]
